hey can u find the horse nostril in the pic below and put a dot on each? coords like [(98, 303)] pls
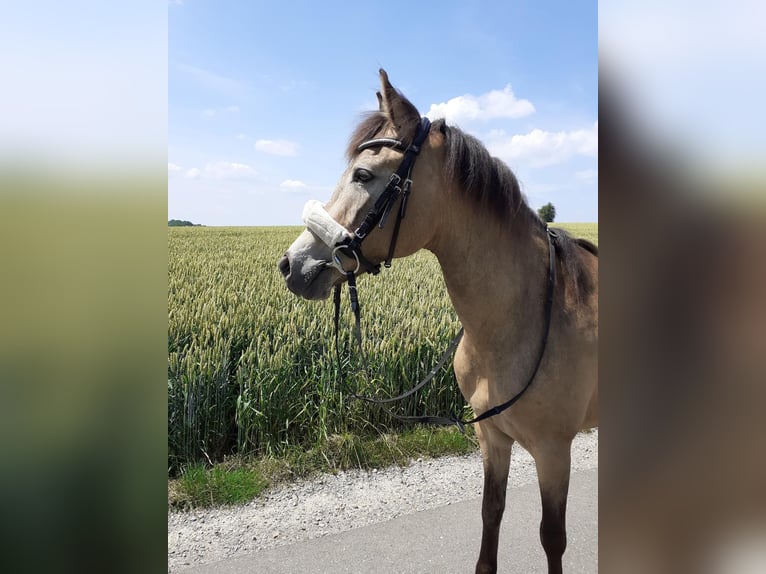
[(284, 266)]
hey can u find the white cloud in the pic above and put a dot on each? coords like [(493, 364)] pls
[(540, 189), (539, 148), (495, 104), (292, 185), (240, 136), (229, 170), (173, 167), (211, 81), (277, 147), (587, 176), (211, 112), (222, 170)]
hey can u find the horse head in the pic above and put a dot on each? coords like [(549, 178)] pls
[(389, 150)]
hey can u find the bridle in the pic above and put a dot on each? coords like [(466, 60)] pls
[(399, 184), (340, 241)]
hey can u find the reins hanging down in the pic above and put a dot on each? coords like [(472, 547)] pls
[(453, 419), (337, 237)]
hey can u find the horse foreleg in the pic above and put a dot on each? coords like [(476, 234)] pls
[(553, 463), (496, 453)]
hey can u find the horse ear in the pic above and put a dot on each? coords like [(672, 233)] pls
[(400, 111), (380, 102)]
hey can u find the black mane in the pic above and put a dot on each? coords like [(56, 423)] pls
[(485, 179), (479, 175)]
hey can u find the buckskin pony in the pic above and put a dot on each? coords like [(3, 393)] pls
[(527, 296)]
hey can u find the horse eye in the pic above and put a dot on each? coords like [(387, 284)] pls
[(362, 175)]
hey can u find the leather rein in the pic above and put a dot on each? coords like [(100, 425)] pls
[(398, 185)]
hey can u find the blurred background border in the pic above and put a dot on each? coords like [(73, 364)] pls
[(84, 250)]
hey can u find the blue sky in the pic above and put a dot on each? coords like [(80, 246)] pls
[(262, 96)]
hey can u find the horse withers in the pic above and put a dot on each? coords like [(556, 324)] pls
[(499, 262)]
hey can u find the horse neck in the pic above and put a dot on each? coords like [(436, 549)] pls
[(495, 271)]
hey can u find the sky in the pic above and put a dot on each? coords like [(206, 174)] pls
[(262, 96)]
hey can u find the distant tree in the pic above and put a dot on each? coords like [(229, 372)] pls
[(547, 212), (181, 223)]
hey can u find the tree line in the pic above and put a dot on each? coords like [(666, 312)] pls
[(182, 223)]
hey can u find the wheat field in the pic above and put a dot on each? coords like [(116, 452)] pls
[(251, 367)]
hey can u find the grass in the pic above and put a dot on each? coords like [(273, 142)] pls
[(240, 480), (222, 484)]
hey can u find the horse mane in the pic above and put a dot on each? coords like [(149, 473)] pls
[(588, 246), (567, 248), (480, 176), (488, 181)]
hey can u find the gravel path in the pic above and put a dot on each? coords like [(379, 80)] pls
[(335, 503)]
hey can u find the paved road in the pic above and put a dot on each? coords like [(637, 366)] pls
[(442, 540)]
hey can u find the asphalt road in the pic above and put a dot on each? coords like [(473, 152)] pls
[(443, 540)]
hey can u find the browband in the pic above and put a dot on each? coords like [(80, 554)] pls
[(388, 142)]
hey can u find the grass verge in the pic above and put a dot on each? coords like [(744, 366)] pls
[(239, 480)]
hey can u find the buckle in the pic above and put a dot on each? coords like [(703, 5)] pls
[(456, 420)]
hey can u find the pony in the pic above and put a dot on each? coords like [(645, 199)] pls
[(499, 261)]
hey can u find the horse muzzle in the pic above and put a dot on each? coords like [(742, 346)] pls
[(305, 269)]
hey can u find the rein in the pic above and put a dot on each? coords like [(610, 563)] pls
[(453, 419), (400, 184)]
